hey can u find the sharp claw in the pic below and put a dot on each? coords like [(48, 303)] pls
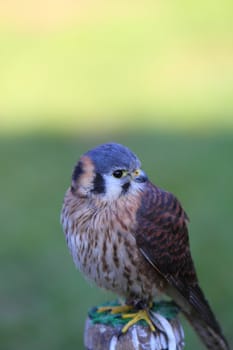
[(119, 334)]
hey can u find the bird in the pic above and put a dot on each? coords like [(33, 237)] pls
[(131, 237)]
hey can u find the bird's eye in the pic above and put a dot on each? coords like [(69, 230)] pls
[(118, 173)]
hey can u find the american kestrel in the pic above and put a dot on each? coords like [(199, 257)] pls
[(130, 237)]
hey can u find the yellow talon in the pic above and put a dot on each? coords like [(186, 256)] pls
[(137, 316), (115, 309)]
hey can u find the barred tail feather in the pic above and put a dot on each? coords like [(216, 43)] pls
[(212, 339)]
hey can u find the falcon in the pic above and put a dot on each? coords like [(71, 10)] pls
[(131, 237)]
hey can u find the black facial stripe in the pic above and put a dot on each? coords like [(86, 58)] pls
[(125, 187), (99, 184), (78, 170)]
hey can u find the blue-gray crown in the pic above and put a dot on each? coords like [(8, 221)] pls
[(110, 156)]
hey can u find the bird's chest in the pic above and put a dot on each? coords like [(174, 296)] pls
[(104, 249)]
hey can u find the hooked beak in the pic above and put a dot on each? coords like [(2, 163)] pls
[(139, 176)]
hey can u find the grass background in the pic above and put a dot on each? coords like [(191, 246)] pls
[(155, 76)]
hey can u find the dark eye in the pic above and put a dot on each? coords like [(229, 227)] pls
[(118, 173)]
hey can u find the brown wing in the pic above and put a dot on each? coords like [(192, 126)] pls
[(162, 237)]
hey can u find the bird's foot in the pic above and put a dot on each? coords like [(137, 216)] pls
[(120, 309), (135, 317), (135, 313)]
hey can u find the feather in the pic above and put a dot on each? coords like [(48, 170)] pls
[(162, 238)]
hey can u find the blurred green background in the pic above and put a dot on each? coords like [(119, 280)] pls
[(154, 75)]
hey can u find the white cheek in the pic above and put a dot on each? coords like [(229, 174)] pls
[(113, 187)]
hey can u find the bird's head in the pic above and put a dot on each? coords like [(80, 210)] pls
[(110, 170)]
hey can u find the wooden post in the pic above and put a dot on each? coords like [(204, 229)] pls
[(103, 330)]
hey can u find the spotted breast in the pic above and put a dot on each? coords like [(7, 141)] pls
[(103, 247)]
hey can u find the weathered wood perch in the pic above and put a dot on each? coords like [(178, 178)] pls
[(102, 330)]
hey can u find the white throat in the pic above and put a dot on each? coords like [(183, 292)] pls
[(113, 188)]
